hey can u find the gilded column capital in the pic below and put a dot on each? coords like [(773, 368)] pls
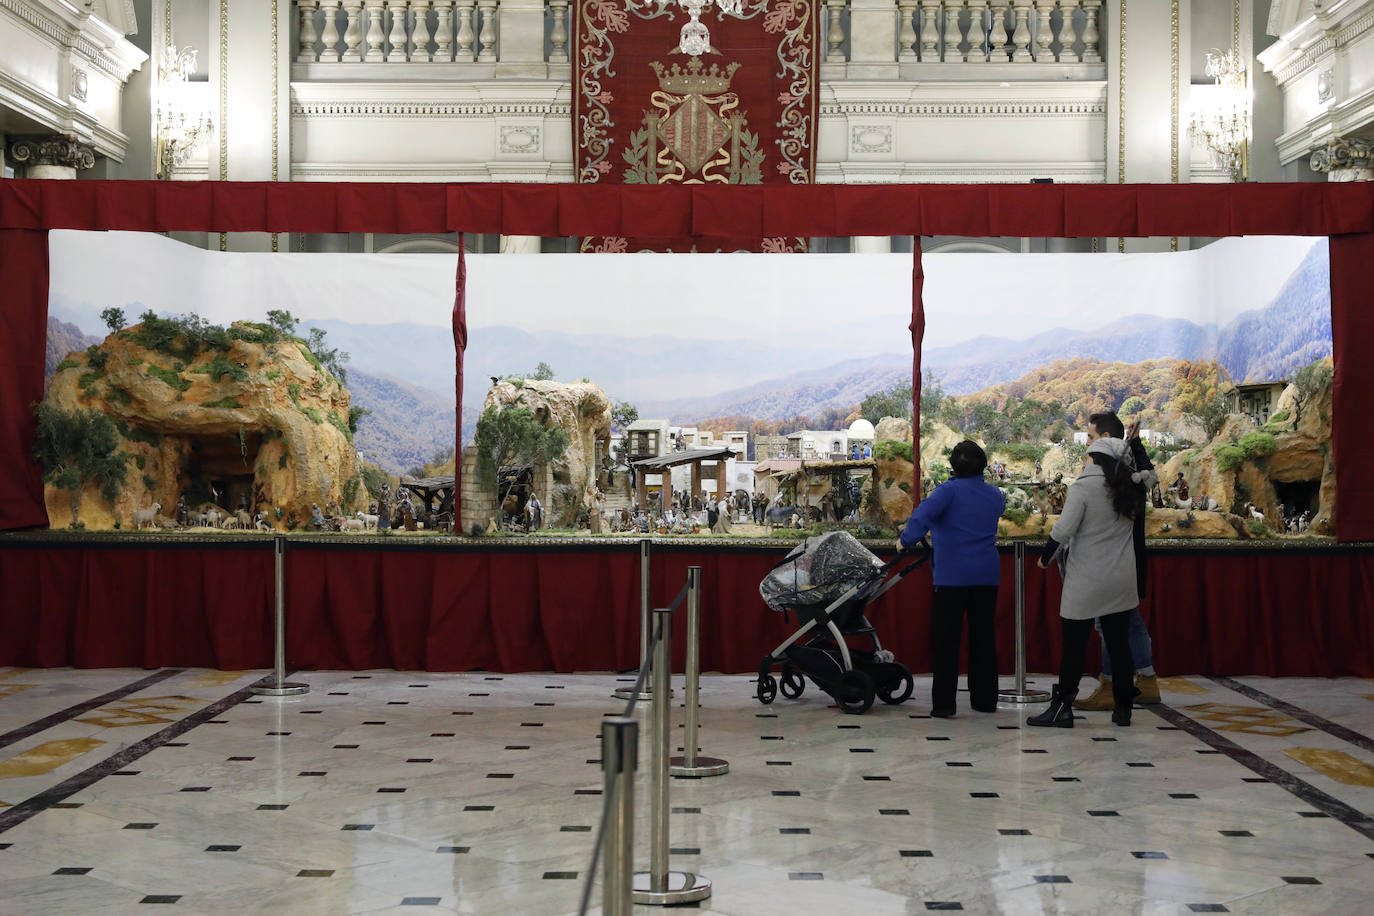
[(54, 149)]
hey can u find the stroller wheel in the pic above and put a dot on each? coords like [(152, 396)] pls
[(855, 694), (791, 684), (896, 689), (768, 689)]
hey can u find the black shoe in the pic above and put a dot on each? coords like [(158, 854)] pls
[(942, 714), (1060, 711), (1121, 715), (992, 708)]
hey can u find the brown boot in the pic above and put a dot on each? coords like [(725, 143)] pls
[(1148, 686), (1099, 699)]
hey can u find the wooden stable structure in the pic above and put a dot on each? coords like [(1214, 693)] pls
[(664, 465)]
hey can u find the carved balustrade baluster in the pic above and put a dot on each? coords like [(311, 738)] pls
[(977, 31), (952, 35), (329, 52), (396, 38), (998, 41), (1044, 35), (906, 33), (558, 34), (373, 10), (1067, 34), (487, 36), (466, 36), (353, 34), (930, 36), (419, 35), (1021, 37), (1091, 54), (834, 36), (443, 31), (307, 8)]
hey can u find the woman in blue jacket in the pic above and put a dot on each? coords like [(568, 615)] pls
[(961, 515)]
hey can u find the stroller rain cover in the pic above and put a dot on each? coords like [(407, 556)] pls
[(819, 570)]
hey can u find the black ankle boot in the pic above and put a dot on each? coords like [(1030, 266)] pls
[(1121, 715), (1060, 711)]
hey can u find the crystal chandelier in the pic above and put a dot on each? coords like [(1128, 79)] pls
[(695, 39), (1222, 124), (180, 119)]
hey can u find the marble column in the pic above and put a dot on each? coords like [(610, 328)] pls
[(52, 156), (872, 244), (520, 244)]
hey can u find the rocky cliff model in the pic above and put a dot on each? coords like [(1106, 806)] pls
[(241, 416)]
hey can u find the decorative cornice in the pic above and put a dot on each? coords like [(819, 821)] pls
[(68, 36), (1298, 62), (953, 109), (58, 149), (376, 109)]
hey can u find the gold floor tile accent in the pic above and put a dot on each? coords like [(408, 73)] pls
[(1369, 696), (45, 757), (12, 672), (1338, 765), (215, 678), (9, 690), (1181, 685), (1252, 720), (140, 711)]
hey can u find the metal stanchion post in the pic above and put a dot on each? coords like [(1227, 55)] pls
[(619, 749), (1019, 693), (279, 687), (658, 885), (625, 693), (689, 765)]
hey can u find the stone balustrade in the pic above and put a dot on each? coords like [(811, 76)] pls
[(891, 32)]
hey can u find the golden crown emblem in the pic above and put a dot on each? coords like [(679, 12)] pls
[(695, 80)]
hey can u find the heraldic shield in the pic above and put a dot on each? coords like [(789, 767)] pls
[(695, 133)]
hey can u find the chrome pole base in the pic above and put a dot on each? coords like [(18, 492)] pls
[(284, 689), (645, 695), (1025, 696), (683, 887), (705, 766)]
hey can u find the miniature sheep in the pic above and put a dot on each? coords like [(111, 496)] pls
[(369, 521), (351, 524), (245, 520), (147, 516)]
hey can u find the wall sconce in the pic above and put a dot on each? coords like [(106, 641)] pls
[(182, 119)]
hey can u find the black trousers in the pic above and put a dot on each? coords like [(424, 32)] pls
[(952, 604), (1114, 629)]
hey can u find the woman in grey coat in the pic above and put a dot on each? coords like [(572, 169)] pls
[(1093, 538)]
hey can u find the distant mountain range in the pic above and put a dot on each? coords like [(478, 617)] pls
[(63, 338)]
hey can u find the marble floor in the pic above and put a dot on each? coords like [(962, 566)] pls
[(480, 794)]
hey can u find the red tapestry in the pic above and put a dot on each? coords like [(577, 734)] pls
[(645, 112)]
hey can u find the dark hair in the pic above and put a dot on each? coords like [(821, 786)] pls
[(967, 460), (1109, 424), (1124, 492)]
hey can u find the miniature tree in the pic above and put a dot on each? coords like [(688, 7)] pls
[(510, 435), (77, 448), (114, 319), (543, 373), (283, 321), (623, 414), (1308, 384)]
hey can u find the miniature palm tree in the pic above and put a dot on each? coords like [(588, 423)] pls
[(77, 448)]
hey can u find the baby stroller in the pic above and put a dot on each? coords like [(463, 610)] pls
[(828, 582)]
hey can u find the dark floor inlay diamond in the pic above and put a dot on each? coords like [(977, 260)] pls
[(958, 763), (270, 733), (1254, 779), (1138, 763), (574, 828), (765, 715), (1034, 750), (72, 804), (1065, 778), (984, 795), (586, 791), (877, 779), (1183, 795), (338, 693), (136, 772), (1300, 879), (419, 760), (897, 812), (1205, 750), (778, 763), (849, 726), (1013, 832), (937, 737), (454, 850), (315, 873), (1235, 833), (271, 807), (196, 789), (161, 898), (1016, 727), (345, 747), (1104, 814), (242, 758), (312, 712), (794, 831), (1207, 908), (684, 851), (861, 750), (1104, 739), (139, 826), (770, 737), (531, 724), (311, 773), (686, 810), (916, 853), (375, 722), (559, 875), (398, 702), (442, 734), (805, 876), (417, 685), (391, 789), (72, 871), (5, 845), (479, 694), (595, 760), (420, 901), (1149, 854), (185, 744), (358, 826), (786, 793), (479, 807), (362, 677), (222, 847), (461, 712), (1052, 879), (543, 704), (944, 905), (1313, 814)]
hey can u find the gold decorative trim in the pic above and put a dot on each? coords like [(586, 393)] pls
[(1121, 105), (1173, 102), (275, 80), (1235, 27), (224, 104)]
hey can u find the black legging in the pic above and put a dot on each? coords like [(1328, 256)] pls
[(952, 604), (1114, 637)]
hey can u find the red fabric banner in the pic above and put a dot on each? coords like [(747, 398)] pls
[(23, 343), (646, 112)]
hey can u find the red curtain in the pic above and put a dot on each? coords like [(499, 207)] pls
[(460, 344), (23, 337), (1352, 438), (1271, 613)]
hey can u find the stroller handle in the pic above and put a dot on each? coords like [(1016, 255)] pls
[(913, 556)]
